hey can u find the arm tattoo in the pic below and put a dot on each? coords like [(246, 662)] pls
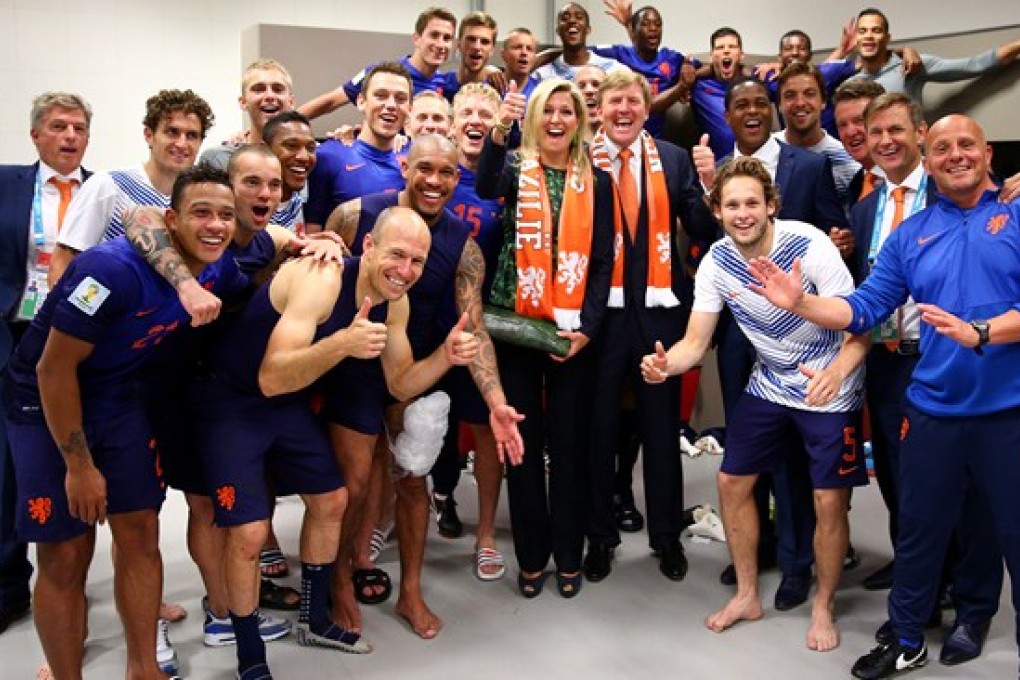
[(344, 220), (470, 275), (151, 239), (75, 446)]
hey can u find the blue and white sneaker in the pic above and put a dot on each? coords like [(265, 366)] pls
[(217, 632), (166, 657)]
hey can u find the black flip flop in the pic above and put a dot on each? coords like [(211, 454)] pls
[(370, 578)]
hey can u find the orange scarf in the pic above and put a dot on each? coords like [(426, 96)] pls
[(545, 291), (659, 290)]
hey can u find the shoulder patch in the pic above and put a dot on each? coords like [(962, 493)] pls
[(89, 296)]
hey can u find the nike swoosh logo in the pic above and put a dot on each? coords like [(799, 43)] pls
[(146, 312), (843, 472), (903, 663), (922, 240), (351, 168)]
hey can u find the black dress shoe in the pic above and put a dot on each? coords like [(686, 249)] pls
[(793, 591), (447, 521), (963, 643), (766, 561), (881, 579), (628, 519), (598, 562), (11, 613), (673, 561)]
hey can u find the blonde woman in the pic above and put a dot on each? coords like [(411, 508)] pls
[(555, 266)]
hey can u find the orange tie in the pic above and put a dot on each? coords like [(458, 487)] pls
[(898, 196), (869, 184), (628, 193), (66, 189)]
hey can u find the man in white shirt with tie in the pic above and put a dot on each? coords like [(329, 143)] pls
[(33, 201)]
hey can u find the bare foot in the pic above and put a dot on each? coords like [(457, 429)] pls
[(740, 608), (44, 672), (822, 635), (346, 612), (421, 619), (174, 613)]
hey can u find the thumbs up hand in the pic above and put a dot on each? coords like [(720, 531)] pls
[(461, 347), (655, 367), (364, 339), (704, 162)]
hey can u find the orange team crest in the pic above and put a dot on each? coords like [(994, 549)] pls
[(904, 429), (996, 223), (225, 496), (40, 509)]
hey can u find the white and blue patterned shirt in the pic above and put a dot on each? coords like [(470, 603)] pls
[(289, 215), (96, 212), (782, 339)]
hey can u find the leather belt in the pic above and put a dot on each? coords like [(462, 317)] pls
[(909, 348)]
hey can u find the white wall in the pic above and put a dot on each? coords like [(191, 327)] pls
[(118, 52)]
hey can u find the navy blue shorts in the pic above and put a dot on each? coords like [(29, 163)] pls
[(356, 396), (245, 440), (173, 424), (123, 450), (466, 401), (761, 436)]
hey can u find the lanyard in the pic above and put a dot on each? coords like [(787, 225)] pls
[(38, 231), (876, 231)]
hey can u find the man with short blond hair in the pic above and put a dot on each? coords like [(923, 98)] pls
[(266, 90)]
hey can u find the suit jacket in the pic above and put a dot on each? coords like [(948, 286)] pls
[(17, 189), (862, 223), (687, 205), (807, 191)]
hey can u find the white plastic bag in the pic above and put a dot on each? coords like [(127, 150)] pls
[(418, 445)]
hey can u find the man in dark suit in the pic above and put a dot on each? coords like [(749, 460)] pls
[(655, 194), (806, 193), (31, 210)]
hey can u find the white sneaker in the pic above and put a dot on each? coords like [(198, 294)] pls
[(166, 657), (217, 632)]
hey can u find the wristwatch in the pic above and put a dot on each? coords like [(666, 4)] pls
[(981, 326)]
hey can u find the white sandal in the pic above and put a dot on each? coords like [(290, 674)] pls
[(489, 557)]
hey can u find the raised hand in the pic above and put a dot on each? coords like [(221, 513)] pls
[(783, 289), (655, 367), (514, 105), (365, 339), (621, 10), (704, 162), (461, 346)]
